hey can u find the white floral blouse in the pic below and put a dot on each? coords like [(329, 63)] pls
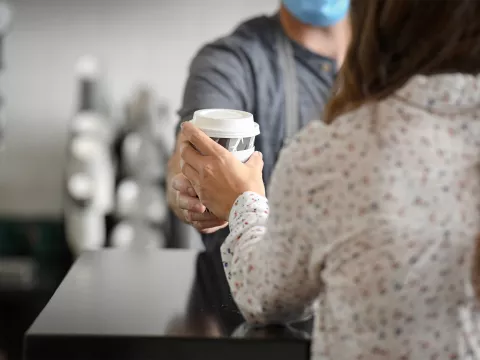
[(371, 223)]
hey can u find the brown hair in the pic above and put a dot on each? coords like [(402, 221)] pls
[(393, 40)]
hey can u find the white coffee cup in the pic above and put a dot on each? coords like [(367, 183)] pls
[(235, 130)]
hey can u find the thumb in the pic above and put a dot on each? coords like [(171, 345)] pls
[(255, 161)]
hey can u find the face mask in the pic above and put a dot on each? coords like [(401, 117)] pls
[(318, 12)]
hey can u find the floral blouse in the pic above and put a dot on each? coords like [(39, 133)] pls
[(370, 226)]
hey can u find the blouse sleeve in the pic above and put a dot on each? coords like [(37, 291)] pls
[(269, 257)]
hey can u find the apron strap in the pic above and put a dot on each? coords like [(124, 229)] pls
[(286, 60)]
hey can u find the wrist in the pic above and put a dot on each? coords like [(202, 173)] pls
[(230, 205), (248, 202)]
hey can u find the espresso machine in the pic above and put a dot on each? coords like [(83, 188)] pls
[(115, 171)]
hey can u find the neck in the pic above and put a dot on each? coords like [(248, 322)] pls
[(329, 41)]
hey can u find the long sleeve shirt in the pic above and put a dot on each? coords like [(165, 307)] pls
[(370, 225)]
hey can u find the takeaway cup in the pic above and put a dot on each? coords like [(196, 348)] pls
[(233, 129)]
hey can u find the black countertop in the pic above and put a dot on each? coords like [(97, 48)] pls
[(139, 305), (26, 286)]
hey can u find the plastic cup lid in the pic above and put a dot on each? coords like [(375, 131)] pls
[(224, 123)]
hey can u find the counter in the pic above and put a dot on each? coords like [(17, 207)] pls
[(175, 304)]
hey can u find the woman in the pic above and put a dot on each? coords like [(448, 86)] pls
[(373, 217)]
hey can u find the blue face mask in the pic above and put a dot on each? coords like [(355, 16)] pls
[(318, 12)]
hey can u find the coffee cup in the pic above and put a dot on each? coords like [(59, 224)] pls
[(235, 130)]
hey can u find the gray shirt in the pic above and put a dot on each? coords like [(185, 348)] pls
[(241, 71)]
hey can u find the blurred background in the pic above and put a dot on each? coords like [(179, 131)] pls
[(69, 65), (136, 42)]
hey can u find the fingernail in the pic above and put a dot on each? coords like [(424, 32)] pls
[(198, 208), (191, 192)]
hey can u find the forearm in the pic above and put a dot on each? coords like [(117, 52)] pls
[(247, 228), (252, 266)]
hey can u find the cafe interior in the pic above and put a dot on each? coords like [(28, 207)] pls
[(95, 263), (82, 166)]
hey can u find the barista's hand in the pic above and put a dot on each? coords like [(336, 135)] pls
[(215, 174), (191, 209)]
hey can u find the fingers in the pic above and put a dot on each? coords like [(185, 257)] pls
[(182, 184), (191, 157), (191, 216), (205, 222), (209, 227), (255, 161), (191, 173), (201, 141), (189, 203)]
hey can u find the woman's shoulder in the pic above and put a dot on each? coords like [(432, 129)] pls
[(346, 127)]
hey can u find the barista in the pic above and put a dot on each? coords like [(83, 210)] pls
[(280, 68)]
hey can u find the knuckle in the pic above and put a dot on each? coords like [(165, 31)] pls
[(178, 184), (183, 202), (194, 216), (182, 157), (194, 139), (209, 170), (179, 199), (189, 204), (183, 145), (186, 216), (222, 159)]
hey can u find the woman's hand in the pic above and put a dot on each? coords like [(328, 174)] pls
[(216, 175)]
